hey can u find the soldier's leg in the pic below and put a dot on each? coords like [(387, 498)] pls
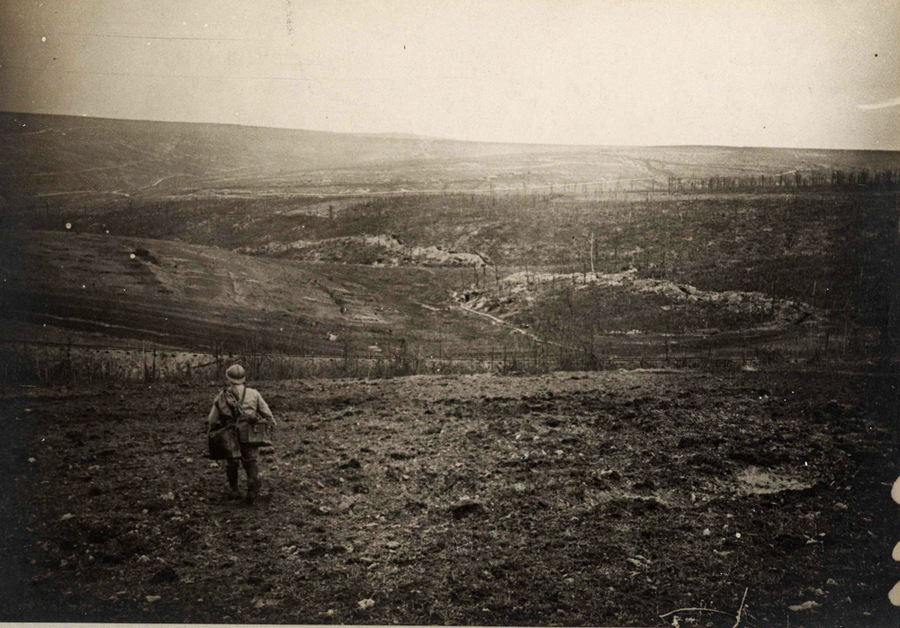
[(231, 470), (250, 460)]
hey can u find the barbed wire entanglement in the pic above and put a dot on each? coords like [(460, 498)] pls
[(55, 363)]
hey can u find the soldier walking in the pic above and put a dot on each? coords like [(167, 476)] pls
[(247, 412)]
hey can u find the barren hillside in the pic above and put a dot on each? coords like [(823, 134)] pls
[(186, 295), (89, 161)]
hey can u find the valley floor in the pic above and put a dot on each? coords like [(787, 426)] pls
[(607, 498)]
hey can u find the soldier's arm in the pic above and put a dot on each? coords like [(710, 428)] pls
[(262, 409), (213, 415)]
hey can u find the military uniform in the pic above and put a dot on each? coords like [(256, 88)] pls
[(250, 408)]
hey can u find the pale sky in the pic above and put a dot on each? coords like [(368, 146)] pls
[(798, 73)]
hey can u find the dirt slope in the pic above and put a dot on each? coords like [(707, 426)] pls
[(195, 297), (173, 292)]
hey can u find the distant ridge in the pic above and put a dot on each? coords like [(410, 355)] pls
[(400, 135), (403, 136), (49, 155), (50, 159)]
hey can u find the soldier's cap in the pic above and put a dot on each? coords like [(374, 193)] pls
[(235, 374)]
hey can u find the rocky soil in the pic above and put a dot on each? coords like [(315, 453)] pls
[(612, 498)]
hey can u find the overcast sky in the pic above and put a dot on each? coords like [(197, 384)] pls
[(800, 73)]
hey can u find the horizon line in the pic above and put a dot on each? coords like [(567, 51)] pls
[(409, 136)]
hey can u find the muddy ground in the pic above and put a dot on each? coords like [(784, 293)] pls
[(608, 498)]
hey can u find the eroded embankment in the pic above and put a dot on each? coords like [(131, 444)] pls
[(384, 250), (524, 290)]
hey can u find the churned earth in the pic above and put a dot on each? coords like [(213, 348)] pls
[(603, 498)]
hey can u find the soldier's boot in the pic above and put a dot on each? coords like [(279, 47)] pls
[(253, 485), (232, 473)]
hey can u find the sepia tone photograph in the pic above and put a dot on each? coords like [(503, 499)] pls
[(420, 312)]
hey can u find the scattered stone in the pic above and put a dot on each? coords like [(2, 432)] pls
[(366, 603), (353, 463), (153, 598), (706, 532), (639, 561), (66, 516), (831, 582), (170, 496), (806, 606)]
